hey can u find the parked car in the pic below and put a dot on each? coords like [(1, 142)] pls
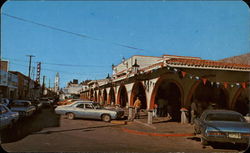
[(37, 104), (222, 126), (7, 117), (23, 107), (46, 101), (88, 109), (5, 101)]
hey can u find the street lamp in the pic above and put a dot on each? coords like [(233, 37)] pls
[(135, 67)]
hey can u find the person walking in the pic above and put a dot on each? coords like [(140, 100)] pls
[(137, 107), (155, 110), (193, 111)]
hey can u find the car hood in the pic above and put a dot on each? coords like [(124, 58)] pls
[(228, 126)]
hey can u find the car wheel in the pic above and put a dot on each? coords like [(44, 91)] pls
[(71, 116), (106, 118)]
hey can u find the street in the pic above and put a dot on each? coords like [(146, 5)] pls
[(48, 132)]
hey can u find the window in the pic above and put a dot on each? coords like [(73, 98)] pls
[(224, 117), (88, 106), (80, 106)]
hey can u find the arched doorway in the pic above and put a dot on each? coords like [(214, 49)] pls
[(91, 97), (104, 97), (168, 97), (99, 96), (207, 95), (139, 91), (112, 96), (122, 96), (242, 103), (95, 97)]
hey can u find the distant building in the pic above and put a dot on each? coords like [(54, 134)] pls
[(73, 89), (8, 82)]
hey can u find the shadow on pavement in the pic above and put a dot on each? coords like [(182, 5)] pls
[(238, 147), (85, 129), (27, 126), (230, 146)]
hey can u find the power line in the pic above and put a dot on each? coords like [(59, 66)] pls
[(59, 64), (52, 70), (72, 33)]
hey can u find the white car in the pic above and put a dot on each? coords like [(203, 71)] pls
[(23, 107), (7, 117), (89, 110)]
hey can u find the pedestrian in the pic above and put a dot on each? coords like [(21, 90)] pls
[(137, 107), (193, 111), (155, 110)]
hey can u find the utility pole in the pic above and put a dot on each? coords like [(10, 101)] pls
[(43, 86), (30, 63), (30, 56)]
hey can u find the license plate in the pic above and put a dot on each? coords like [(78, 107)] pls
[(234, 135)]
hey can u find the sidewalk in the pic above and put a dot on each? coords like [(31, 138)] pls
[(162, 126)]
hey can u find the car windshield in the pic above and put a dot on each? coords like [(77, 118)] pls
[(97, 106), (224, 117)]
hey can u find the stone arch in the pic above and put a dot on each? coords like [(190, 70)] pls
[(207, 94), (172, 93), (122, 96), (241, 101), (138, 90), (111, 99)]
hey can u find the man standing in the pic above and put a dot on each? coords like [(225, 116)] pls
[(193, 111), (137, 106)]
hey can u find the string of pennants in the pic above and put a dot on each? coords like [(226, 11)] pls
[(225, 84)]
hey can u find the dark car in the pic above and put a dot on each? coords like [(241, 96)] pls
[(222, 126), (37, 104)]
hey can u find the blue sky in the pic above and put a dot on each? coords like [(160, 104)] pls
[(211, 30)]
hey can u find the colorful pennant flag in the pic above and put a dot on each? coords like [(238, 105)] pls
[(183, 73)]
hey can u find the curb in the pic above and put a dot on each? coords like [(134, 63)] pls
[(119, 122), (157, 134), (145, 124)]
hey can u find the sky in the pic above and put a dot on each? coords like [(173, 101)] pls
[(82, 39)]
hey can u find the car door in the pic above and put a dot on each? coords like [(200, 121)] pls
[(79, 111), (91, 112)]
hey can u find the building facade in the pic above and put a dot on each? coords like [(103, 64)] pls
[(178, 80)]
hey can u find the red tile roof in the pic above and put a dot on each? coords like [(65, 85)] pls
[(206, 64)]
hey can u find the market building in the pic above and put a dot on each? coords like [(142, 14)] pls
[(178, 80)]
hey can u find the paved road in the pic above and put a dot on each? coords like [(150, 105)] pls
[(47, 132)]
